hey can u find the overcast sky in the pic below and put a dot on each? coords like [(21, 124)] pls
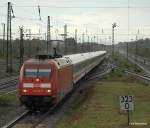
[(95, 15)]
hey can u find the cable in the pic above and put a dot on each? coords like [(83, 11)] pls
[(49, 6), (25, 18), (21, 18)]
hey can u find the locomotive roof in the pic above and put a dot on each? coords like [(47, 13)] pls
[(37, 61), (76, 58)]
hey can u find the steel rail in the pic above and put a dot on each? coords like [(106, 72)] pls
[(140, 76), (26, 114), (16, 120), (8, 82), (10, 92), (100, 74), (50, 111)]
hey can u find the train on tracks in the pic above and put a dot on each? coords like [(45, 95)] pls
[(47, 80)]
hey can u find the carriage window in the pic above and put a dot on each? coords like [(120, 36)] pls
[(44, 73), (31, 73)]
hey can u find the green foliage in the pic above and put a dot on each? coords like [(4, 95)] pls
[(8, 100), (118, 72), (101, 107), (98, 105), (143, 47)]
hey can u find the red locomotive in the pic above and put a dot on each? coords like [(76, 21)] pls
[(46, 80)]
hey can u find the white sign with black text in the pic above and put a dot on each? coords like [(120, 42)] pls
[(126, 103)]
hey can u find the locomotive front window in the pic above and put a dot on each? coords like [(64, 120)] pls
[(37, 73), (31, 73), (44, 73)]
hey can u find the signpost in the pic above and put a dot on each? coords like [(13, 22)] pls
[(127, 104)]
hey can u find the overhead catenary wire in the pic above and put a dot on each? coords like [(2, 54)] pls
[(50, 6), (22, 18), (78, 7)]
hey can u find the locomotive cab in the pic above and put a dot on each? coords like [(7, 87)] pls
[(45, 82), (35, 85)]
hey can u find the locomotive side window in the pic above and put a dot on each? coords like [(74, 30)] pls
[(44, 73), (31, 73)]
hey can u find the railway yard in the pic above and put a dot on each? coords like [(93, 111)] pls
[(74, 64), (93, 104), (9, 95)]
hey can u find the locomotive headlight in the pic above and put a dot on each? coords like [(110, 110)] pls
[(37, 79), (24, 90), (48, 90)]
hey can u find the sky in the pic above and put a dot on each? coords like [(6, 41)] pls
[(92, 17)]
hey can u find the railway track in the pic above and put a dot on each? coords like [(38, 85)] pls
[(16, 120), (147, 78), (107, 69), (7, 82), (8, 85), (100, 74), (142, 66), (36, 119), (8, 92)]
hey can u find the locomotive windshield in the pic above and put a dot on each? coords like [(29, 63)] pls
[(37, 73), (44, 73), (31, 73)]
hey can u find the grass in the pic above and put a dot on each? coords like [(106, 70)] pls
[(98, 106), (7, 102), (8, 99)]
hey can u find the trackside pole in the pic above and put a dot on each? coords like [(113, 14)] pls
[(127, 104), (128, 113)]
